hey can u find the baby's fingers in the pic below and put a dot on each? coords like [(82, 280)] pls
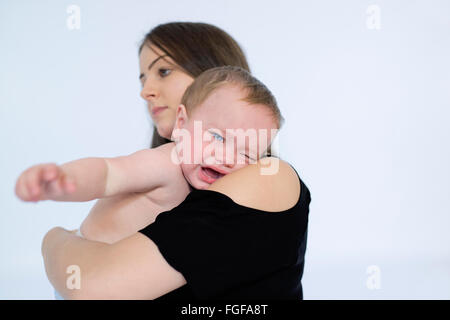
[(22, 190), (39, 177), (31, 183), (53, 190), (50, 172), (56, 189), (45, 174)]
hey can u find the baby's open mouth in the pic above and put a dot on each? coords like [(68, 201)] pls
[(212, 173)]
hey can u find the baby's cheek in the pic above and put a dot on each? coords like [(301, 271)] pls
[(189, 172), (197, 147)]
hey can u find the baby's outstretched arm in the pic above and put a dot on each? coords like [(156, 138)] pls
[(92, 178), (118, 217), (79, 180)]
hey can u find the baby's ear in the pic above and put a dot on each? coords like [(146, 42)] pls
[(181, 120), (181, 117)]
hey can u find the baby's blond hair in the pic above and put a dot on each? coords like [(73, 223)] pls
[(210, 80)]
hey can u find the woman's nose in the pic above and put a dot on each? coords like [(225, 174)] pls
[(149, 91)]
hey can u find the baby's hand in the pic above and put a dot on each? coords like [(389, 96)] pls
[(44, 182)]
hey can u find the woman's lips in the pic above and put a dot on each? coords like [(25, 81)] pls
[(157, 110)]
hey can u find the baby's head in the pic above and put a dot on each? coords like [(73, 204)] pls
[(227, 119)]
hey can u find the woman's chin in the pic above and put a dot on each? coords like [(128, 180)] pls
[(164, 132)]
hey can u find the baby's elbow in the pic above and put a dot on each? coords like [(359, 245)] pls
[(99, 230)]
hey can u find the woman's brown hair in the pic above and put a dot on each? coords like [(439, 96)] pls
[(195, 47)]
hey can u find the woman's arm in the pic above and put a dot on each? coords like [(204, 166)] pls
[(133, 268)]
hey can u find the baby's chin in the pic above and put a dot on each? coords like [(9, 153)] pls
[(199, 185)]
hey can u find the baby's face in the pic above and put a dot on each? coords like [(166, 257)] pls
[(224, 134)]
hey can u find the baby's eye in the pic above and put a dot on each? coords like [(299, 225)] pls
[(217, 136), (164, 72)]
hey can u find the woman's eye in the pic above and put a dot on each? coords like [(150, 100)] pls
[(164, 72)]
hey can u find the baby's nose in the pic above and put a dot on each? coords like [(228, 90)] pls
[(229, 159)]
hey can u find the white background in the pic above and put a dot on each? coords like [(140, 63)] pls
[(367, 125)]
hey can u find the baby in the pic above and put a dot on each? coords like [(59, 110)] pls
[(218, 111)]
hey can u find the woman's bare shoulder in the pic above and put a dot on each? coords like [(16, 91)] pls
[(270, 184)]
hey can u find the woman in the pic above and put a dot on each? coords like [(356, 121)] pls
[(266, 226)]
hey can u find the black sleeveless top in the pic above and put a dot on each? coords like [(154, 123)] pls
[(228, 251)]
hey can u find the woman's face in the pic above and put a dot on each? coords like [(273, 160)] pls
[(163, 85)]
